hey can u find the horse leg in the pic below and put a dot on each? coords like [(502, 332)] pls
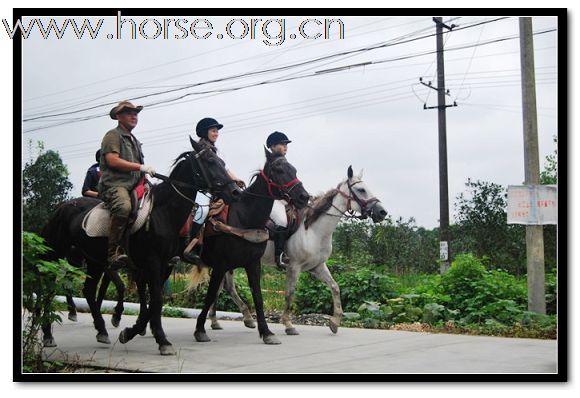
[(90, 290), (143, 317), (47, 337), (72, 308), (217, 275), (291, 278), (244, 309), (140, 325), (322, 273), (215, 325), (155, 285), (253, 272), (113, 276)]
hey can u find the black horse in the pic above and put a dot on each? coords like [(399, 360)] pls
[(150, 248), (225, 252)]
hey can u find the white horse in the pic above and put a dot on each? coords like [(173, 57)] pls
[(311, 245)]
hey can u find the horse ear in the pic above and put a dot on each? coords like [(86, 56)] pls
[(194, 144), (360, 174), (349, 173), (268, 154)]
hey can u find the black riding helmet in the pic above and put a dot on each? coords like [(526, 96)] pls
[(204, 125), (277, 138)]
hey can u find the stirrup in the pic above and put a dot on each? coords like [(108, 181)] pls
[(192, 258), (282, 261), (118, 261)]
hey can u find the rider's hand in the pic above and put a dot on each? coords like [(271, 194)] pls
[(147, 169)]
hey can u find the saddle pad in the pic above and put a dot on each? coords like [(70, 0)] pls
[(98, 221)]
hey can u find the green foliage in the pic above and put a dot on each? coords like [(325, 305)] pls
[(550, 173), (479, 294), (44, 185), (482, 227), (364, 284), (41, 280)]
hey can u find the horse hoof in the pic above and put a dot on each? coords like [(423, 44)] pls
[(124, 337), (143, 332), (292, 332), (166, 350), (333, 326), (115, 320), (201, 337), (216, 326), (49, 342), (249, 323), (72, 317), (103, 338), (271, 339)]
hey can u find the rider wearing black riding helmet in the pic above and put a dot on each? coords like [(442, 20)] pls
[(278, 142), (208, 131)]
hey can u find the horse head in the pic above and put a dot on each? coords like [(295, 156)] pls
[(282, 182), (214, 176), (360, 198)]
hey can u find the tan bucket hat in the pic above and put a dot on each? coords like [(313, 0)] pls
[(121, 107)]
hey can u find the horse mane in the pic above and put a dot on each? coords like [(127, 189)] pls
[(257, 172), (320, 205), (163, 190)]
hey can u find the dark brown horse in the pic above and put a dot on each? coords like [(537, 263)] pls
[(150, 248), (224, 252)]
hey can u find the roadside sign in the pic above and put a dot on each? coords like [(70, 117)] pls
[(532, 204)]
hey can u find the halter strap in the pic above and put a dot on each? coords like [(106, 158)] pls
[(352, 196), (285, 188)]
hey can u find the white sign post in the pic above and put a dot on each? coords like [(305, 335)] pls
[(532, 204)]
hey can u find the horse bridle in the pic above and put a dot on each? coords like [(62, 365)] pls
[(363, 203), (285, 189), (204, 175)]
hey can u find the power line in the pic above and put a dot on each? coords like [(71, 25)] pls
[(276, 69), (277, 80), (75, 101)]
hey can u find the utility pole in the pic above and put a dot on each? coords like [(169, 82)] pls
[(534, 233), (444, 238)]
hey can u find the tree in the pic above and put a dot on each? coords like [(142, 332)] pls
[(44, 185), (550, 176), (482, 227), (550, 173)]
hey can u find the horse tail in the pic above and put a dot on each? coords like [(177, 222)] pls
[(56, 233), (198, 275)]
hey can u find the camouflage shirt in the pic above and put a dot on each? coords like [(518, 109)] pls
[(128, 148)]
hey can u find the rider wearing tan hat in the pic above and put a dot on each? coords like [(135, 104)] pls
[(122, 168)]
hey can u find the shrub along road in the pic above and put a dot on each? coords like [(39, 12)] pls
[(236, 349)]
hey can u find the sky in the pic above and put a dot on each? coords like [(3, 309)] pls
[(369, 116), (394, 141)]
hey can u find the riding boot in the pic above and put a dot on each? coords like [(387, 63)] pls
[(117, 256), (193, 255), (280, 235)]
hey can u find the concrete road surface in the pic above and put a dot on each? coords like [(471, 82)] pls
[(237, 349)]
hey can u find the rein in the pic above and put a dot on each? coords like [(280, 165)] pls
[(175, 183), (349, 212)]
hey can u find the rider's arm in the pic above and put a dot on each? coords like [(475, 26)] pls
[(114, 161)]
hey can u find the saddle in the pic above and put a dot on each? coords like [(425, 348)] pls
[(98, 221), (293, 220), (217, 224)]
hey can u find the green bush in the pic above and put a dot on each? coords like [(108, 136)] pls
[(41, 281), (479, 294), (364, 284)]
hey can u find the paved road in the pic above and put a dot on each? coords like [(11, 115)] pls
[(237, 349)]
